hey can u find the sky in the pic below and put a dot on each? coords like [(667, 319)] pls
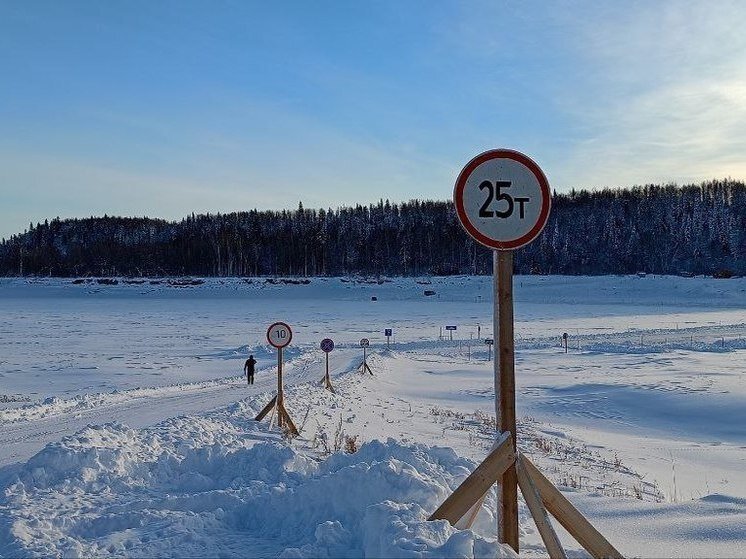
[(163, 108)]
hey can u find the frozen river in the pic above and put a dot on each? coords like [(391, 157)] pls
[(58, 338)]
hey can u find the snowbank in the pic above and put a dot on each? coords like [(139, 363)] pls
[(221, 485)]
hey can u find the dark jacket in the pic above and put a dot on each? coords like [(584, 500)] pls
[(249, 366)]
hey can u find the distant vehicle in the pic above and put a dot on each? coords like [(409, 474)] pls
[(429, 292), (641, 274), (686, 274)]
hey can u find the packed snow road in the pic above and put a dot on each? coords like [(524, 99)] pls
[(25, 430)]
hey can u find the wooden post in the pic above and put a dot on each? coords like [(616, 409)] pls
[(504, 369), (280, 395), (327, 381)]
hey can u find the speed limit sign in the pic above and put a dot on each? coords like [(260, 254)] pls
[(502, 199), (365, 342), (279, 334)]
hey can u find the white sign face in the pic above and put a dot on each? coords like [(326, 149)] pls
[(279, 334), (365, 342), (502, 199)]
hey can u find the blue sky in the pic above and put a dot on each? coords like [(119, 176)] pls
[(164, 108)]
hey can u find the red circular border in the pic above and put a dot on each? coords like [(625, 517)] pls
[(321, 345), (280, 324), (361, 342), (546, 200)]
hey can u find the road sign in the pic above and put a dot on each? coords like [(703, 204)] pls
[(279, 334), (365, 342), (451, 328), (489, 341), (502, 199), (387, 332), (327, 345)]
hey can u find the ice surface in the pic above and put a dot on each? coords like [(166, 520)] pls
[(154, 451)]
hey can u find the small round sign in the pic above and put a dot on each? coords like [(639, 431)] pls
[(327, 345), (365, 342), (279, 334), (502, 199)]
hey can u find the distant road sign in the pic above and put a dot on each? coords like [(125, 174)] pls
[(502, 199), (564, 335), (279, 334), (327, 345), (365, 342), (451, 328), (388, 332), (489, 341)]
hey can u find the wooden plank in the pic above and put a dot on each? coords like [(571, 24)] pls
[(538, 512), (505, 358), (570, 518), (467, 521), (288, 422), (477, 484), (266, 409)]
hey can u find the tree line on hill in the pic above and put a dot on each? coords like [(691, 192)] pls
[(662, 229)]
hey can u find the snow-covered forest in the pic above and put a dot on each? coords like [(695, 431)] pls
[(698, 229)]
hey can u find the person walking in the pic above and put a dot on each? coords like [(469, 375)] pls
[(249, 369)]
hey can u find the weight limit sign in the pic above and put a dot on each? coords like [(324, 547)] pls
[(502, 199)]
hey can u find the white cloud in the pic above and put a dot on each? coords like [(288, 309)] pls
[(666, 98)]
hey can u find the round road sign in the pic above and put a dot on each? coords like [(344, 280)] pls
[(279, 334), (327, 345), (502, 199), (365, 342)]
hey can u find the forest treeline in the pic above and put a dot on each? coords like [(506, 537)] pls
[(664, 229)]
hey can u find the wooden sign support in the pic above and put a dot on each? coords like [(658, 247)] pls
[(363, 368), (326, 381), (277, 404), (461, 507), (487, 193), (504, 370)]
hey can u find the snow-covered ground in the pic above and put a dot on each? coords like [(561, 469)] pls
[(125, 428)]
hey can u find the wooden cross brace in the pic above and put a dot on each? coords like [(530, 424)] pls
[(326, 381), (283, 417), (462, 506)]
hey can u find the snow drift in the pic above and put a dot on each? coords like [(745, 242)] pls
[(219, 485)]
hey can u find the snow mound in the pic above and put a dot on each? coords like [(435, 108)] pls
[(220, 485)]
